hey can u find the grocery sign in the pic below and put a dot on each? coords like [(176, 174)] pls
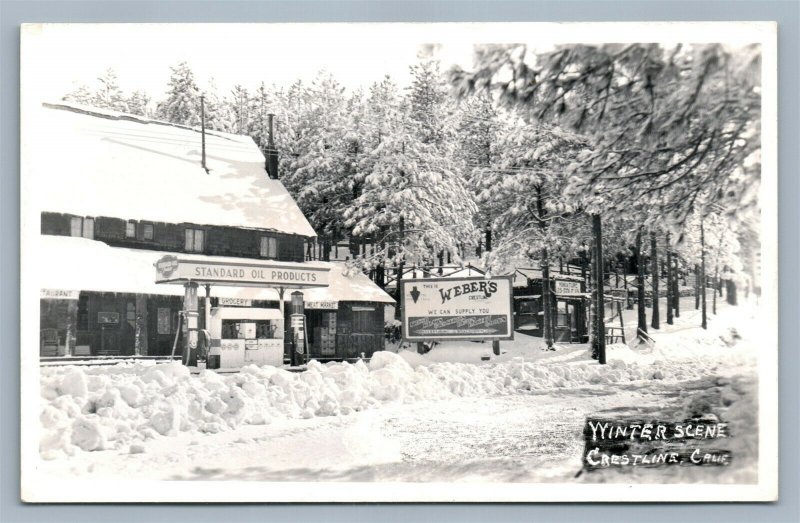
[(457, 309)]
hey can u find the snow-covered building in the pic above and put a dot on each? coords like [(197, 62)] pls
[(568, 303), (118, 192)]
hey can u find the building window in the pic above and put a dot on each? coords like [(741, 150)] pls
[(269, 247), (147, 231), (362, 321), (562, 314), (83, 313), (130, 230), (82, 227), (194, 240), (164, 320)]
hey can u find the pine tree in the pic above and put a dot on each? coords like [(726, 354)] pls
[(139, 103), (238, 104), (428, 97), (182, 104), (81, 95), (215, 112), (108, 94)]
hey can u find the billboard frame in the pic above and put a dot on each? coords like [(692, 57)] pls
[(417, 339)]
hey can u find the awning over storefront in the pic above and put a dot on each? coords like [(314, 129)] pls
[(346, 284), (78, 264), (239, 272)]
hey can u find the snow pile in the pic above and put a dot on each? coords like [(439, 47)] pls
[(121, 407)]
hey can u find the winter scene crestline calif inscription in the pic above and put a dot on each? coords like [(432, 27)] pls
[(535, 257)]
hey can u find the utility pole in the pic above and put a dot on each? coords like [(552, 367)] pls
[(203, 129)]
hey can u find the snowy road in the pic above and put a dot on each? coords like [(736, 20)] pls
[(404, 417), (530, 437)]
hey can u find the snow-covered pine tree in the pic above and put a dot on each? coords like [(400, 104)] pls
[(238, 104), (108, 94), (81, 95), (669, 128), (478, 127), (428, 101), (317, 154), (525, 187), (215, 112), (139, 103), (262, 103), (413, 201), (182, 104)]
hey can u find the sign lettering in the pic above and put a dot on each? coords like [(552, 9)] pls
[(171, 269), (568, 287), (59, 294)]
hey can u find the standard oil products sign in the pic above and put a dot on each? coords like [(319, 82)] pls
[(458, 309), (172, 269)]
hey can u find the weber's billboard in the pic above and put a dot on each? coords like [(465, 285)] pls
[(457, 309)]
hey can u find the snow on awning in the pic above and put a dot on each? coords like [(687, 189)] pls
[(347, 285), (79, 264), (104, 163)]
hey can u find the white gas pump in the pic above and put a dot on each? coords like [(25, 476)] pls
[(298, 325), (244, 336)]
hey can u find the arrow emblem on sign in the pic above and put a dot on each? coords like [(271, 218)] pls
[(414, 294)]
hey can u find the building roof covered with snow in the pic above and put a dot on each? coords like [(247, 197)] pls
[(93, 162)]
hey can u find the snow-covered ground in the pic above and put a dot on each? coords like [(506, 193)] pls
[(444, 416)]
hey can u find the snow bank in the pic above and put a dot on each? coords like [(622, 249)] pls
[(123, 406)]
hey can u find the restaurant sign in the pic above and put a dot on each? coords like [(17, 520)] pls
[(172, 269), (458, 309), (58, 294)]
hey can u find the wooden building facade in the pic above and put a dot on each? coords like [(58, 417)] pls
[(150, 196)]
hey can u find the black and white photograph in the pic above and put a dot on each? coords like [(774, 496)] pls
[(401, 262)]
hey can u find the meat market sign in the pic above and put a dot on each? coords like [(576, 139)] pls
[(457, 309), (175, 269)]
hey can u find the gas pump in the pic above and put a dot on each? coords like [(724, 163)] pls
[(297, 322), (190, 355), (243, 336)]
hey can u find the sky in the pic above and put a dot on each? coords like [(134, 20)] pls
[(57, 58), (141, 55)]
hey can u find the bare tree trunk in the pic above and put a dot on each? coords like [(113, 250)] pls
[(696, 287), (654, 321), (704, 322), (716, 284), (597, 231), (670, 283), (641, 312)]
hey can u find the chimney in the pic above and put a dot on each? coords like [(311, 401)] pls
[(271, 153)]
